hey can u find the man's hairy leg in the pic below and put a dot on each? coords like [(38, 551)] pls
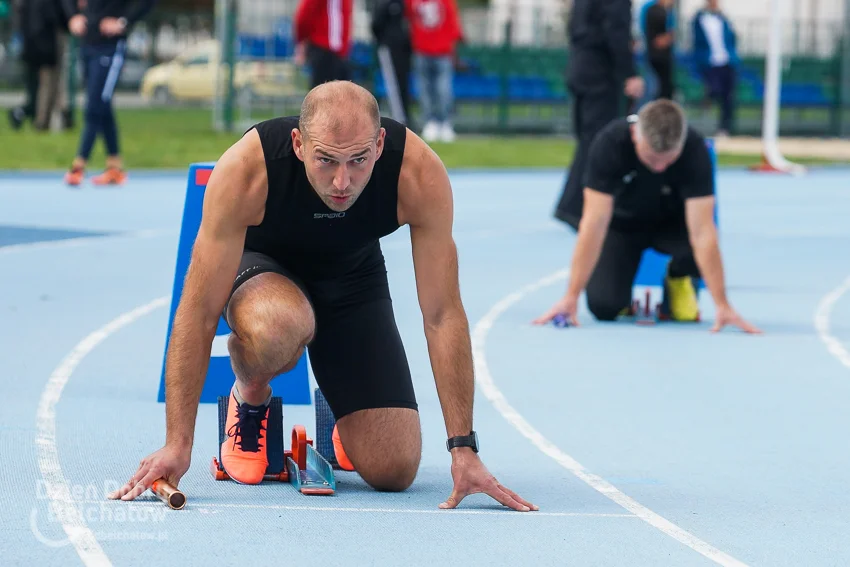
[(272, 322), (384, 445)]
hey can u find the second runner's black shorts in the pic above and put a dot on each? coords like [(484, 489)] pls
[(357, 355)]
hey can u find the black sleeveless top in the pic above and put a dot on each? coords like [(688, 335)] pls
[(301, 233)]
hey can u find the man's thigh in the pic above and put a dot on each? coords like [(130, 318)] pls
[(359, 360), (677, 245), (360, 365), (609, 289)]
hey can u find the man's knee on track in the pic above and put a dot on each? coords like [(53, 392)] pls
[(393, 472), (604, 309), (384, 447)]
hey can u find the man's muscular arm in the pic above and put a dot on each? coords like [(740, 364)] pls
[(425, 203), (233, 200), (425, 200)]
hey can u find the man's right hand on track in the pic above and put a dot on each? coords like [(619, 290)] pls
[(170, 463), (567, 307)]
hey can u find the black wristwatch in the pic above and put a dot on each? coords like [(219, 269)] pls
[(470, 440)]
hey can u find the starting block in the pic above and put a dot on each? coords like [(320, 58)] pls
[(294, 386), (649, 313), (300, 465)]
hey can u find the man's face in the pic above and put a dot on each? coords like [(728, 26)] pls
[(654, 161), (339, 165), (714, 5)]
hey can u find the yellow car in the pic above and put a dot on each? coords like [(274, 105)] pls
[(191, 76)]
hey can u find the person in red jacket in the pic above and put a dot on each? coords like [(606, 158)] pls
[(435, 30), (323, 38)]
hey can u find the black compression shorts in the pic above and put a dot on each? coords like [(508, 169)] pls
[(357, 355)]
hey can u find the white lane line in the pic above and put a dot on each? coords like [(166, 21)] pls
[(822, 315), (78, 241), (208, 508), (55, 484), (495, 396)]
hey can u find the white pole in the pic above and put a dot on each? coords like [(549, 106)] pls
[(773, 81), (391, 83)]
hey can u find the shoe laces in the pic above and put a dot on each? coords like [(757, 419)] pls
[(248, 429)]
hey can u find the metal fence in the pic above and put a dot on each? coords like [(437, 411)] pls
[(817, 54)]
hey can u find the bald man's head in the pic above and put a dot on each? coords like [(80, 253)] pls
[(337, 107), (339, 138)]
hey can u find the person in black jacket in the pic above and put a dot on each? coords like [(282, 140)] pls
[(40, 23), (103, 26), (602, 69), (659, 45), (392, 34)]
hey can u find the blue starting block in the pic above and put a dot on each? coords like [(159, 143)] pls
[(653, 264), (293, 387)]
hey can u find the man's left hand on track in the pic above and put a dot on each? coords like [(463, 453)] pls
[(472, 477)]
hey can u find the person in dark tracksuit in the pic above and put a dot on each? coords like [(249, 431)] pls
[(391, 29), (103, 26), (659, 45), (602, 69), (41, 22)]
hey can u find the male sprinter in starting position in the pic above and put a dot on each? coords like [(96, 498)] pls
[(649, 184), (288, 250)]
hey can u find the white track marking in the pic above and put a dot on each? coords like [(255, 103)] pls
[(495, 396), (822, 315), (208, 508), (55, 484)]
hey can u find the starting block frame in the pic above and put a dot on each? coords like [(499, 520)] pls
[(293, 386)]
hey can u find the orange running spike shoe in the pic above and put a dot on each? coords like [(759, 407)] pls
[(244, 455), (110, 176), (74, 176), (339, 452)]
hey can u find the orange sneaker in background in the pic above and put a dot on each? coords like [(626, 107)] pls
[(244, 455), (110, 176), (339, 452), (75, 176)]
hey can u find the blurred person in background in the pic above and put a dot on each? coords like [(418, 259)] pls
[(716, 57), (602, 70), (323, 39), (649, 184), (391, 31), (659, 34), (42, 24), (435, 31), (103, 27)]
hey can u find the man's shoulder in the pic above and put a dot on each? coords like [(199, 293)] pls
[(396, 137), (694, 140), (276, 135), (616, 133)]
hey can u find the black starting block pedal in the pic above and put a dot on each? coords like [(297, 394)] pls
[(325, 422), (300, 465)]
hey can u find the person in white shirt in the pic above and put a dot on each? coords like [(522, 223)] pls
[(716, 57)]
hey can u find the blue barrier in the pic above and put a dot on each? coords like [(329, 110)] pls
[(294, 386), (653, 264)]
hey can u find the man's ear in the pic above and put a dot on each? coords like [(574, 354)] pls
[(298, 143), (379, 143)]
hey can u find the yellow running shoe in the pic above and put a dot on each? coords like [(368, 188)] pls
[(680, 299)]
